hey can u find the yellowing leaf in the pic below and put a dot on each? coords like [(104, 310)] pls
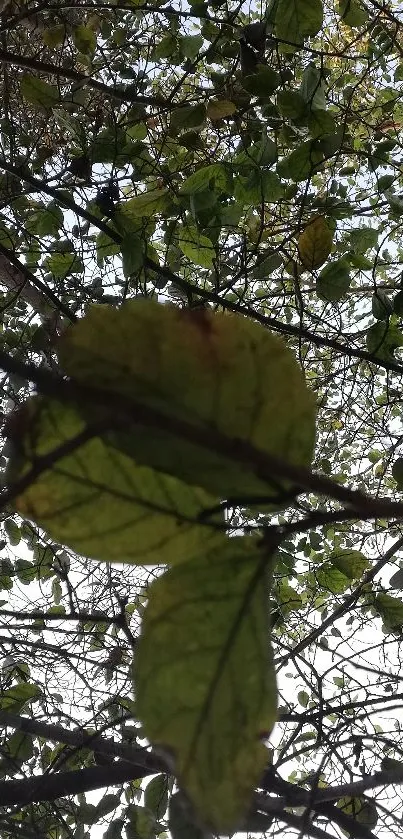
[(206, 685), (315, 243), (214, 373), (220, 108), (97, 500)]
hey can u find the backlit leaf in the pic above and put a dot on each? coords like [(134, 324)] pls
[(333, 281), (197, 247), (98, 501), (39, 93), (391, 611), (205, 678), (220, 108), (297, 19), (350, 562), (315, 243), (213, 371)]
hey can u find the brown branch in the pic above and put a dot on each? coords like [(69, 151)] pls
[(130, 412), (120, 92), (81, 739), (344, 607)]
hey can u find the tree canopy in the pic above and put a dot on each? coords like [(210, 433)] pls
[(201, 288)]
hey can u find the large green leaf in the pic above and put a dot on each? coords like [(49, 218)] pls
[(145, 204), (350, 562), (391, 611), (333, 281), (197, 247), (38, 93), (211, 371), (98, 501), (383, 339), (301, 163), (214, 176), (206, 687), (297, 19)]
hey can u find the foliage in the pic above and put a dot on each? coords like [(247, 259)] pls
[(200, 268)]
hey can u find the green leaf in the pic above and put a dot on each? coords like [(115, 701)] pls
[(351, 563), (211, 177), (14, 699), (390, 764), (85, 40), (390, 610), (260, 186), (13, 532), (132, 254), (86, 813), (18, 748), (145, 205), (263, 82), (219, 109), (363, 810), (39, 93), (213, 371), (301, 163), (297, 19), (142, 824), (107, 804), (197, 247), (63, 264), (57, 591), (105, 247), (54, 36), (331, 579), (165, 48), (396, 580), (156, 796), (385, 182), (267, 266), (321, 124), (352, 13), (46, 221), (398, 304), (382, 306), (383, 339), (26, 571), (291, 104), (333, 281), (287, 598), (313, 87), (397, 471), (188, 116), (99, 502), (190, 45), (181, 824), (303, 698), (363, 238), (204, 649)]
